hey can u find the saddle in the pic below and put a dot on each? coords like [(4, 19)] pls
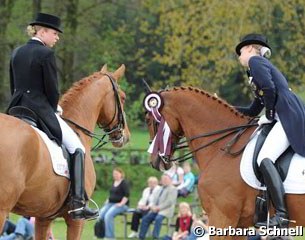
[(30, 117), (24, 114), (282, 163)]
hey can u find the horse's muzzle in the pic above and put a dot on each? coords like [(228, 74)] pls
[(158, 163), (120, 139)]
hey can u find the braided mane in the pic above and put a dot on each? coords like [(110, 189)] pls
[(77, 87), (208, 95)]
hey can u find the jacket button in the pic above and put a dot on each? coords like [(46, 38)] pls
[(28, 91)]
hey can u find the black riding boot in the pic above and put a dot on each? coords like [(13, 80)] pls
[(276, 191), (79, 208)]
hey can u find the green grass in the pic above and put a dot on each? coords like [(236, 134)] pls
[(139, 139), (59, 228), (137, 145)]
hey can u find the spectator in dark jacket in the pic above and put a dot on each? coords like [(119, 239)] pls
[(117, 202)]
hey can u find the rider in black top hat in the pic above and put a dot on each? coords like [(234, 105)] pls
[(34, 85), (281, 105)]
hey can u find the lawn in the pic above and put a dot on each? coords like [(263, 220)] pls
[(59, 227), (139, 140), (135, 149)]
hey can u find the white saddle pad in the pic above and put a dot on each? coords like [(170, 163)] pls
[(294, 182), (59, 163)]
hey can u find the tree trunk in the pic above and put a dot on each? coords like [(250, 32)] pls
[(67, 54), (36, 7), (6, 7)]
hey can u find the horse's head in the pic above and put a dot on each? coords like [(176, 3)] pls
[(165, 132), (112, 116)]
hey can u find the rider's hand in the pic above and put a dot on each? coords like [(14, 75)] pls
[(263, 120), (59, 110), (269, 114)]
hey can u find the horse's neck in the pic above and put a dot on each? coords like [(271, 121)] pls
[(213, 155), (206, 115), (84, 107)]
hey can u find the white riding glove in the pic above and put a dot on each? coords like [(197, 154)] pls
[(263, 120), (59, 110)]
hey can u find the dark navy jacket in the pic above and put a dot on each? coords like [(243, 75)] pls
[(272, 91), (34, 84)]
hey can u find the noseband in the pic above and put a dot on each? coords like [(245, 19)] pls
[(119, 127)]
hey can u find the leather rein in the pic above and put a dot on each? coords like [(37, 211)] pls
[(107, 131), (226, 132)]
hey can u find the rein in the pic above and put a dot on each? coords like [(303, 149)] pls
[(100, 137), (107, 131), (239, 130)]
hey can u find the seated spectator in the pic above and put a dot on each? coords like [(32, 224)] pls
[(163, 206), (117, 202), (202, 222), (176, 173), (257, 237), (187, 186), (8, 228), (144, 204), (24, 230), (183, 223)]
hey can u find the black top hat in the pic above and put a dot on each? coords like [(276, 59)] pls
[(252, 38), (47, 20)]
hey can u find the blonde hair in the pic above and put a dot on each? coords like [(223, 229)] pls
[(262, 51), (153, 179), (186, 205), (33, 29), (257, 48), (120, 170)]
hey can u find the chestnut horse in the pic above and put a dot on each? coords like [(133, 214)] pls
[(28, 184), (226, 198)]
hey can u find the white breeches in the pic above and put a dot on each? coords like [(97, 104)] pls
[(69, 138), (275, 144)]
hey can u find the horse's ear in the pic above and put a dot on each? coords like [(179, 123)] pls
[(104, 69), (119, 72)]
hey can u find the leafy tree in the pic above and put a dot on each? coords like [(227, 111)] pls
[(175, 42), (196, 40)]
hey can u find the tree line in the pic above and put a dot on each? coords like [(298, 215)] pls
[(168, 43)]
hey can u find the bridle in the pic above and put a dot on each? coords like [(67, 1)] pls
[(119, 127), (224, 133), (163, 144), (118, 111)]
